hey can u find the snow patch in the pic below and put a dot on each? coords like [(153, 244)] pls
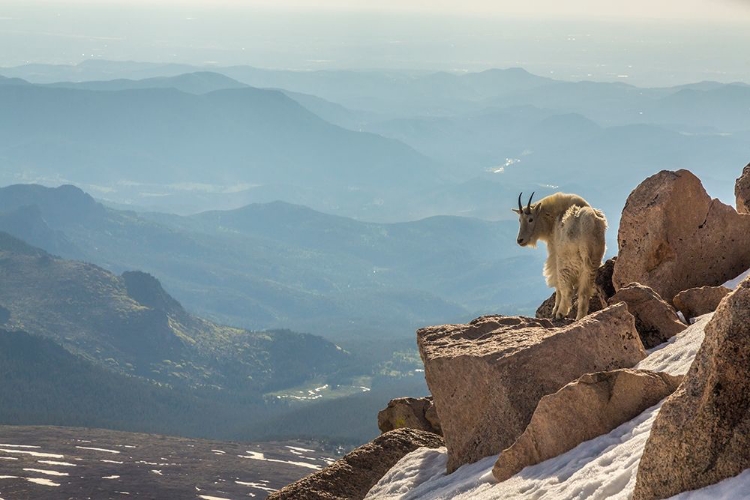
[(48, 472), (42, 481), (676, 355), (736, 281), (603, 468), (295, 448), (54, 462), (34, 453), (734, 487), (257, 486), (254, 455), (98, 449)]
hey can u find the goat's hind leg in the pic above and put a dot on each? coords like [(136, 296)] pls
[(585, 291), (557, 303)]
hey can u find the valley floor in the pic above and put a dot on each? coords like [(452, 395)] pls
[(65, 462)]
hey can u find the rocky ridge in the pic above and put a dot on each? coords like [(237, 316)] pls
[(529, 389)]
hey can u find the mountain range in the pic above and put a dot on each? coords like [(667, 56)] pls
[(377, 146)]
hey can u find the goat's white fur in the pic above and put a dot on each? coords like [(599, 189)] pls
[(574, 234)]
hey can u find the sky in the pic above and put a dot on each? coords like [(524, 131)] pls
[(646, 42), (728, 10)]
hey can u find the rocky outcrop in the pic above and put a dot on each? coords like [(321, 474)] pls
[(655, 320), (352, 477), (673, 236), (603, 290), (702, 433), (414, 413), (591, 406), (488, 376), (603, 279), (698, 301), (742, 191)]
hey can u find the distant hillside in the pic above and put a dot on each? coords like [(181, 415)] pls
[(42, 383), (280, 265), (131, 325)]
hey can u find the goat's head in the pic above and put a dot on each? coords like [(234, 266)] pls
[(527, 218)]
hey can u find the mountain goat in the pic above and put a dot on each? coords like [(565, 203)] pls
[(574, 233)]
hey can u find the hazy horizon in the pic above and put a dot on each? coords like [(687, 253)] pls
[(578, 43)]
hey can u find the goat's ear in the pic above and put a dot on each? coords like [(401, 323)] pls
[(537, 208), (516, 211)]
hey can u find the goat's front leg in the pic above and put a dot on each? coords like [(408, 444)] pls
[(565, 290)]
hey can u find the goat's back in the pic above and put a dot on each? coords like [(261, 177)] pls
[(581, 232), (557, 204)]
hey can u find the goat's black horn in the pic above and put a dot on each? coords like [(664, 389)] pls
[(520, 207), (528, 205)]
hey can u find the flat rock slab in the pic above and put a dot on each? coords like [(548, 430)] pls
[(702, 433), (352, 477), (655, 320), (591, 406), (673, 236), (699, 301), (486, 377)]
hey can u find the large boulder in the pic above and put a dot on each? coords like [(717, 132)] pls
[(414, 413), (702, 433), (742, 191), (655, 320), (487, 377), (673, 236), (591, 406), (699, 301), (351, 477)]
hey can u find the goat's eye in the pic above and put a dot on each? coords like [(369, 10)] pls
[(531, 220)]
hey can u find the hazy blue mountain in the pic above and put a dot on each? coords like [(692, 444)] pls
[(200, 82), (399, 94), (724, 108), (334, 113), (95, 69), (12, 81), (238, 136)]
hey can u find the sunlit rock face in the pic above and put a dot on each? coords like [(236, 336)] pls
[(486, 377), (673, 236), (702, 433), (591, 406)]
